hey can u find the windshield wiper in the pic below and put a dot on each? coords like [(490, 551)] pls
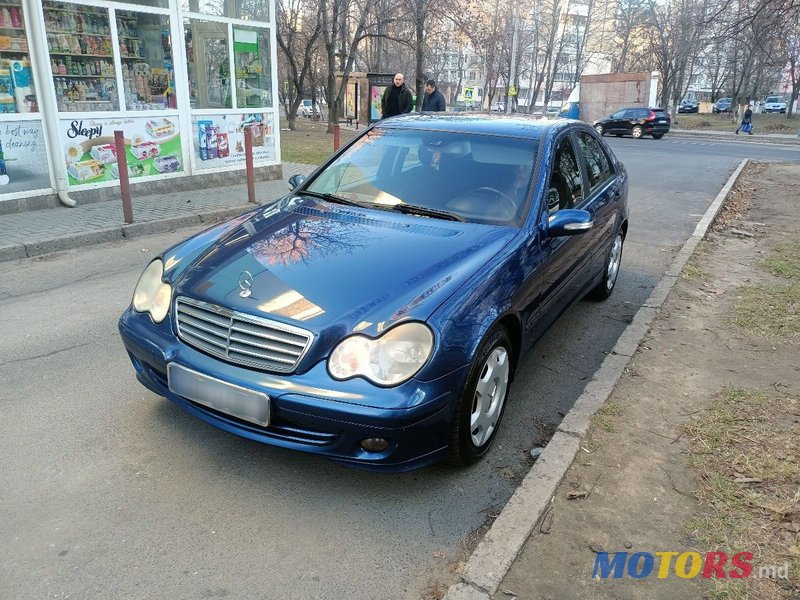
[(332, 198), (413, 209)]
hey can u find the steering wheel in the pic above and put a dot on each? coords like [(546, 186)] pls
[(485, 202)]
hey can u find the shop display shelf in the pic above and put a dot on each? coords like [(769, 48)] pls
[(132, 57), (81, 55), (14, 28), (102, 35), (125, 37), (85, 76), (14, 51), (72, 11)]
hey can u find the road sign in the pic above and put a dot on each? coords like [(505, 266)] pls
[(512, 91), (468, 93)]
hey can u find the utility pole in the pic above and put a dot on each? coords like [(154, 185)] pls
[(512, 77)]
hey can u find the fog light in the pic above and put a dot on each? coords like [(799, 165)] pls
[(374, 444)]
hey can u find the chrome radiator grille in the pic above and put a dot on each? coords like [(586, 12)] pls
[(239, 338)]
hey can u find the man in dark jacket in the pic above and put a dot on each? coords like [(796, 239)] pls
[(434, 99), (397, 99)]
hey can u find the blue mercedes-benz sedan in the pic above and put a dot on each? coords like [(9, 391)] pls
[(376, 314)]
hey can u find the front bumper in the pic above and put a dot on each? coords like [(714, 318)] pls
[(310, 412)]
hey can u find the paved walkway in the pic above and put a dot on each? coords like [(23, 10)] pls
[(41, 231)]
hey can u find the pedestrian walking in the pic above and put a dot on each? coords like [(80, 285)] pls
[(397, 98), (747, 122), (434, 99)]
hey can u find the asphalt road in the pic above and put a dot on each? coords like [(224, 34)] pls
[(109, 491)]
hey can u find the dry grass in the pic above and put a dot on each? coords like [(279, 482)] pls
[(773, 311), (309, 143), (762, 123), (745, 448)]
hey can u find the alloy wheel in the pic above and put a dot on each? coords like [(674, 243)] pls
[(490, 395)]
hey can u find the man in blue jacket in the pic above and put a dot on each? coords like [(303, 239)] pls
[(433, 100)]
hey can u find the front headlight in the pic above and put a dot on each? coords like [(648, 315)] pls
[(389, 360), (151, 294)]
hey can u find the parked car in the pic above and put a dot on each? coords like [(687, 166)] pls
[(377, 313), (722, 105), (637, 122), (688, 106), (775, 104), (498, 107), (309, 109), (552, 111)]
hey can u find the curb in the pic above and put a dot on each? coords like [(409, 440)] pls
[(492, 558), (117, 233)]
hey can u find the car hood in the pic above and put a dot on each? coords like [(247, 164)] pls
[(319, 265)]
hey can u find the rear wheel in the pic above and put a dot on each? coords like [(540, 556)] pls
[(613, 261), (599, 129), (637, 132), (480, 407), (658, 136)]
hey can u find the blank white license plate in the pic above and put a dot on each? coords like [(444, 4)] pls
[(662, 120), (227, 398)]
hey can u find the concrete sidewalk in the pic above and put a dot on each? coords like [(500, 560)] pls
[(38, 232)]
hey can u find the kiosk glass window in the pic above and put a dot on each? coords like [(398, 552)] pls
[(145, 47), (254, 10), (17, 94), (251, 57), (81, 61), (208, 66)]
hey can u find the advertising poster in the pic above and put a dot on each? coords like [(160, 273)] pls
[(377, 83), (153, 146), (351, 101), (23, 158), (218, 140)]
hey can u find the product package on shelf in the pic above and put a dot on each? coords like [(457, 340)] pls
[(7, 104), (167, 164), (107, 153), (86, 170), (145, 150), (160, 127)]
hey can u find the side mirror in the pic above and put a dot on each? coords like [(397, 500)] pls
[(569, 221), (295, 181)]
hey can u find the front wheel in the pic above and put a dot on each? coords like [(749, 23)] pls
[(480, 406), (599, 129), (613, 261), (637, 132), (658, 136)]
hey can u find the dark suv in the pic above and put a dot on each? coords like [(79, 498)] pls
[(636, 122)]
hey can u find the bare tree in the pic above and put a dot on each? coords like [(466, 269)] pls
[(298, 30)]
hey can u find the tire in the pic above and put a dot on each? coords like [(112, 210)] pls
[(607, 284), (637, 132), (658, 136), (599, 129), (475, 423)]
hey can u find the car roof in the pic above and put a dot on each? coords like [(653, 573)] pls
[(515, 125)]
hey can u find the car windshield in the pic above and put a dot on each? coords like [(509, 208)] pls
[(477, 178), (773, 99)]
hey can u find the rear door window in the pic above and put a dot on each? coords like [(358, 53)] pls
[(632, 113)]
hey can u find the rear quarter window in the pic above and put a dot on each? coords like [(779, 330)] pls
[(660, 114)]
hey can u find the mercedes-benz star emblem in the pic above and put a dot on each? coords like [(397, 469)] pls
[(245, 283)]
